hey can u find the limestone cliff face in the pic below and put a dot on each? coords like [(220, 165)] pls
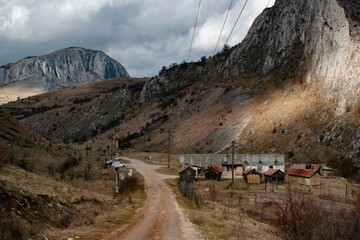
[(318, 40), (63, 68)]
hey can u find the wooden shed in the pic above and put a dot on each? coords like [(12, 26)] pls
[(274, 176), (252, 176), (326, 171), (187, 173), (303, 176), (213, 172)]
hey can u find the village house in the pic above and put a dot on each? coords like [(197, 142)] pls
[(321, 169), (187, 174), (303, 176), (274, 176), (252, 176), (213, 172)]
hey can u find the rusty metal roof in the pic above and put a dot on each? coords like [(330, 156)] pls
[(217, 168), (301, 172), (184, 168), (248, 171), (271, 172)]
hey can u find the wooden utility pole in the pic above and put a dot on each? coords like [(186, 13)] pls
[(233, 156), (169, 148)]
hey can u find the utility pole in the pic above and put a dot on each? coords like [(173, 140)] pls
[(169, 148), (233, 156)]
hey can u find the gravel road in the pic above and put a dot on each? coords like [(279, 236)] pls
[(161, 216)]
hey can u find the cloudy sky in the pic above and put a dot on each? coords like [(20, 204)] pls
[(143, 35)]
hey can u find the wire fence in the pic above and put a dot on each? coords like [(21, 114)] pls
[(332, 193), (190, 193)]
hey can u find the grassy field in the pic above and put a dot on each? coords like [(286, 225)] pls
[(242, 211)]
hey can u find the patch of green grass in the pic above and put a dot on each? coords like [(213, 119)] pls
[(124, 218)]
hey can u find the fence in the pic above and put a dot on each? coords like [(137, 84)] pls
[(241, 194), (190, 193)]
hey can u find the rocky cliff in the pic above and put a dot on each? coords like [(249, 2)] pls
[(308, 52), (317, 40), (63, 68)]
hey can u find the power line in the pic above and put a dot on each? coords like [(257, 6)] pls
[(223, 26), (236, 22), (267, 4), (192, 38)]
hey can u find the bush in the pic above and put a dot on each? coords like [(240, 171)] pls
[(70, 162), (303, 218), (129, 184), (203, 59), (163, 70), (10, 228)]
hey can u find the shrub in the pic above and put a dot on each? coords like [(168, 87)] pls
[(203, 59), (10, 228), (70, 162), (163, 70), (301, 217), (129, 184)]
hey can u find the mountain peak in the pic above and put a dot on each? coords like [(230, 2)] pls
[(67, 67)]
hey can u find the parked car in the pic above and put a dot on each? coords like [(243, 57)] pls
[(115, 163)]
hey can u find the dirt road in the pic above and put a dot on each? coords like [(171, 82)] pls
[(161, 216)]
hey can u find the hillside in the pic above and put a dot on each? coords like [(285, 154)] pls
[(290, 87), (61, 69), (55, 191)]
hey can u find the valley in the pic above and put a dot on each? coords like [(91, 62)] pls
[(290, 88)]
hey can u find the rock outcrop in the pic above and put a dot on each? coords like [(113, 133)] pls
[(317, 40), (64, 68)]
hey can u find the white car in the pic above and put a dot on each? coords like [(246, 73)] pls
[(116, 163)]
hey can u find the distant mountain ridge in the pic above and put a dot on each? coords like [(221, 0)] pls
[(67, 67)]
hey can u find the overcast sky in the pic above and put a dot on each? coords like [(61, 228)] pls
[(143, 35)]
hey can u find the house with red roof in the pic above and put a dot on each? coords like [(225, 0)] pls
[(274, 176), (213, 172), (303, 176)]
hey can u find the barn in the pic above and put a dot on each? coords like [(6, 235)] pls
[(251, 175), (187, 173), (274, 176), (303, 176), (213, 172)]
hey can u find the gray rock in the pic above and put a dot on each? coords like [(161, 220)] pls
[(318, 40), (64, 68)]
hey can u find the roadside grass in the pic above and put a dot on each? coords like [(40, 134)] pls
[(168, 171)]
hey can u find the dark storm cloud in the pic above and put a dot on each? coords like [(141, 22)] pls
[(142, 35)]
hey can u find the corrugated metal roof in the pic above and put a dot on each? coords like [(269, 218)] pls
[(217, 168), (248, 171), (271, 171), (301, 172), (184, 168)]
